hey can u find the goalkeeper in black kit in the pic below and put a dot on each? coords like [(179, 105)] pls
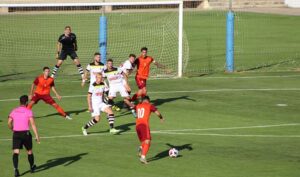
[(67, 46)]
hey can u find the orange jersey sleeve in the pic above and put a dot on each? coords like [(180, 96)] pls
[(43, 86), (143, 111), (143, 66)]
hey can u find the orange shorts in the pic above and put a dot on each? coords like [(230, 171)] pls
[(46, 98), (143, 132)]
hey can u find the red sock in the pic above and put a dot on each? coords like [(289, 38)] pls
[(29, 106), (145, 148), (60, 110), (134, 97)]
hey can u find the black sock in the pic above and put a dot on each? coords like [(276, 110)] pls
[(16, 160), (80, 69), (55, 70), (31, 159), (90, 123), (111, 120)]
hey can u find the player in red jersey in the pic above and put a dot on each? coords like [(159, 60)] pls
[(143, 111), (44, 83), (143, 63)]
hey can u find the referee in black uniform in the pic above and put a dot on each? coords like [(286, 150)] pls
[(67, 46), (18, 122)]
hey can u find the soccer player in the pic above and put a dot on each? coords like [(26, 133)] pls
[(18, 122), (115, 81), (96, 106), (143, 63), (144, 110), (127, 68), (44, 84), (93, 69), (67, 46)]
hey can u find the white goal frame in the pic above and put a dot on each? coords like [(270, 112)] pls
[(180, 18)]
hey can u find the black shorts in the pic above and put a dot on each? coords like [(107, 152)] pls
[(64, 53), (22, 138)]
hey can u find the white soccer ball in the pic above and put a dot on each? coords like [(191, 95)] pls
[(173, 152)]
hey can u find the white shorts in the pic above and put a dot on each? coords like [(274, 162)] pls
[(114, 89), (97, 108)]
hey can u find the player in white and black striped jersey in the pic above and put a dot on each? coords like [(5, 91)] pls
[(96, 105), (115, 77)]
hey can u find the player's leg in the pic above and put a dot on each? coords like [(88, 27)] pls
[(77, 63), (95, 118), (141, 83), (61, 111), (111, 95), (111, 118), (144, 136), (145, 149), (61, 58), (30, 157), (34, 100), (16, 146)]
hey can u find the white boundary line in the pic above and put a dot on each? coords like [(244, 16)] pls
[(179, 132), (164, 78), (189, 91)]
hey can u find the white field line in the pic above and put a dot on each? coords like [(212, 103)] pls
[(190, 91), (179, 132), (164, 78)]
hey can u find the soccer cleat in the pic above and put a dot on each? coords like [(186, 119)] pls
[(32, 169), (116, 108), (140, 151), (84, 132), (143, 160), (17, 173), (68, 117), (114, 131), (133, 113)]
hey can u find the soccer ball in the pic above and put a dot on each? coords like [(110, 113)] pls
[(173, 152)]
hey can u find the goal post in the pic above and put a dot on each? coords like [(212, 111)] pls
[(179, 45)]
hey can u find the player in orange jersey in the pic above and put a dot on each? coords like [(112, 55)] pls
[(44, 83), (143, 63), (143, 111)]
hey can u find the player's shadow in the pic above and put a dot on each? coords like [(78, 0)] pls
[(65, 161), (76, 112), (159, 101), (125, 127), (165, 153)]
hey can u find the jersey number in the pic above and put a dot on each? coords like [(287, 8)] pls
[(140, 113)]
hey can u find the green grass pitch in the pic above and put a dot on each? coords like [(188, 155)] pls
[(224, 125)]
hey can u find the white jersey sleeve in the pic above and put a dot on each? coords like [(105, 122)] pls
[(88, 67), (126, 66)]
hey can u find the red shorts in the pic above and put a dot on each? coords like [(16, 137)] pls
[(143, 132), (46, 98), (141, 83)]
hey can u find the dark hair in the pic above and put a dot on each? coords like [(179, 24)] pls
[(23, 99), (144, 48), (96, 53), (110, 60), (68, 27), (46, 67), (146, 98), (132, 55)]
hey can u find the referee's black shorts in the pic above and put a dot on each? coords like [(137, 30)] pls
[(22, 138), (65, 53)]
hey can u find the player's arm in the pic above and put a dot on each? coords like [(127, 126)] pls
[(75, 43), (159, 115), (161, 66), (33, 126), (89, 100), (58, 49), (55, 92), (10, 123), (85, 76), (33, 85)]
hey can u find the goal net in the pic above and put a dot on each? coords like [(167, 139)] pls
[(29, 33)]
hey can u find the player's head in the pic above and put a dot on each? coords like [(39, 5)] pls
[(68, 30), (97, 57), (98, 78), (109, 63), (144, 51), (132, 57), (145, 99), (23, 100), (46, 71)]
